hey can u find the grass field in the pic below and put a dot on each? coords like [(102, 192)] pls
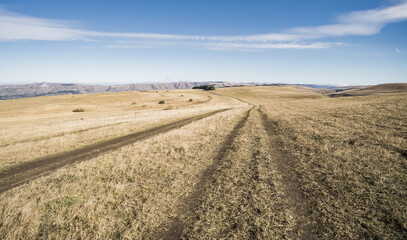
[(37, 127), (277, 163), (348, 156)]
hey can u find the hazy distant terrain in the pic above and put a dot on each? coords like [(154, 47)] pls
[(52, 89)]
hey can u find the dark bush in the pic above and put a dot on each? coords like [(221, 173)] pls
[(78, 110), (161, 102), (190, 100), (205, 87)]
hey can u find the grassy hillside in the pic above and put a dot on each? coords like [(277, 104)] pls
[(263, 95), (348, 157), (37, 127), (389, 88), (279, 163)]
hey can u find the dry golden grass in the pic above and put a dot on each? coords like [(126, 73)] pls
[(389, 88), (347, 156), (59, 136), (269, 94), (102, 102), (37, 127), (126, 193), (246, 198)]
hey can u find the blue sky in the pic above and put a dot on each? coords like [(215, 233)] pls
[(115, 42)]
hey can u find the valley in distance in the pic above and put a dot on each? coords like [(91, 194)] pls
[(170, 162)]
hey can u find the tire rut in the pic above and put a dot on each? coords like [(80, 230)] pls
[(255, 179), (174, 229), (25, 172), (296, 199)]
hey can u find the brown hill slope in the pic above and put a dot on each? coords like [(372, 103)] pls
[(372, 90)]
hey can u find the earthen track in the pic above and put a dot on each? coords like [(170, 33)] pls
[(173, 230)]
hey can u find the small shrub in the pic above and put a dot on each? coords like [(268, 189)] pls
[(78, 110), (190, 100), (161, 102), (205, 87)]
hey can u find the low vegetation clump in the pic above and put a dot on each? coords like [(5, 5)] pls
[(78, 110), (205, 87), (190, 100), (161, 102)]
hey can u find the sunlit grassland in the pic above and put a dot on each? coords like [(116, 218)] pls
[(269, 94), (349, 157), (246, 199), (37, 127), (126, 193)]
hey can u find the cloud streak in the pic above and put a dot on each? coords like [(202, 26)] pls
[(14, 27), (19, 27)]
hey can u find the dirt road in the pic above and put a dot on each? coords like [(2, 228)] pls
[(295, 198), (253, 172), (174, 229)]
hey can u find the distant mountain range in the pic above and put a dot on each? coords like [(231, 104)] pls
[(51, 89)]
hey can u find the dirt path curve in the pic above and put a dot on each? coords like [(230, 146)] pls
[(296, 199), (174, 229), (25, 172), (238, 99)]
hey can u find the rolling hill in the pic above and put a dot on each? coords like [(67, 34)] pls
[(387, 88)]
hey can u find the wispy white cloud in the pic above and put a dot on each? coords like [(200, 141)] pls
[(147, 44), (361, 23), (397, 50), (226, 45), (382, 15), (263, 46), (14, 26)]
